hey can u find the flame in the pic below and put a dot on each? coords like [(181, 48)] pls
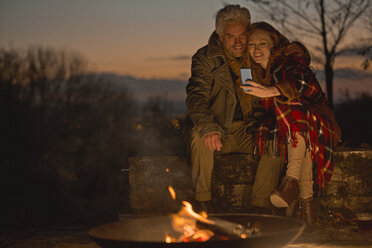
[(139, 127), (190, 211), (203, 234), (168, 239), (176, 124), (171, 191), (166, 170), (185, 222)]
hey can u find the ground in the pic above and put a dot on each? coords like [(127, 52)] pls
[(346, 236)]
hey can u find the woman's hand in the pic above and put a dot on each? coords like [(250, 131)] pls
[(259, 90)]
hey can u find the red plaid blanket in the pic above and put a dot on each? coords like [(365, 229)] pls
[(299, 115)]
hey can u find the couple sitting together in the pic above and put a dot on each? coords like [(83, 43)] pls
[(281, 113)]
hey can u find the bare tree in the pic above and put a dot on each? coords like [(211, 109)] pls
[(48, 69), (329, 28)]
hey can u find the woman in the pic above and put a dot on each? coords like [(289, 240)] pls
[(306, 130)]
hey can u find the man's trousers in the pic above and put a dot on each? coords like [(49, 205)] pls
[(202, 160)]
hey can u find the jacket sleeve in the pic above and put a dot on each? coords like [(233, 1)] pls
[(198, 96), (295, 78)]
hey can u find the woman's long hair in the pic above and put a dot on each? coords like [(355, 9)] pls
[(280, 42)]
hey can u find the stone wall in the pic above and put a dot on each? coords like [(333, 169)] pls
[(233, 176), (232, 181), (149, 178), (351, 183)]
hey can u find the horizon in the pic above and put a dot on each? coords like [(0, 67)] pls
[(174, 89)]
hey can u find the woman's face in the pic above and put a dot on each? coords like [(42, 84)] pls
[(259, 46)]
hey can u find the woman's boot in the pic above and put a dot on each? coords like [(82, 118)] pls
[(307, 207), (286, 193)]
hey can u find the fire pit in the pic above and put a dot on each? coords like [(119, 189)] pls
[(147, 232)]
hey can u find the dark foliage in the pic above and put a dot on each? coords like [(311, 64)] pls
[(65, 135), (355, 120)]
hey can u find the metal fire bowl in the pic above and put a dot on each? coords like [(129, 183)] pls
[(276, 231)]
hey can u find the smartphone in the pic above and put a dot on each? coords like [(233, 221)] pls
[(246, 75)]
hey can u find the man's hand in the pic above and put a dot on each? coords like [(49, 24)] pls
[(212, 141), (259, 90)]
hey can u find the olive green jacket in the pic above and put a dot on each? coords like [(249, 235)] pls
[(211, 97)]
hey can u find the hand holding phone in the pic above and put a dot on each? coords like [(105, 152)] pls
[(246, 74)]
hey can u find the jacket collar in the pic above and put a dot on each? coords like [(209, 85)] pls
[(214, 46), (215, 50)]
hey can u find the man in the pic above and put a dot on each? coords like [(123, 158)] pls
[(223, 116)]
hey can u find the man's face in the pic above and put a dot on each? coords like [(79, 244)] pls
[(259, 47), (234, 38)]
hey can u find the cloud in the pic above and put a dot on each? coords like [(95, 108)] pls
[(184, 75), (365, 50), (347, 73), (171, 58), (180, 57)]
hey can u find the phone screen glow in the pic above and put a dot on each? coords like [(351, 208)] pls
[(246, 75)]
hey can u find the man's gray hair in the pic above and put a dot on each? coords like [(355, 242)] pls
[(231, 13)]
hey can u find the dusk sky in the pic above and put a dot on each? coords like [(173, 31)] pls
[(142, 38), (150, 39)]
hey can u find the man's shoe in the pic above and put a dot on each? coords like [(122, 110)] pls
[(286, 194)]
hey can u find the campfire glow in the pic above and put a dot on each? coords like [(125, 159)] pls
[(171, 191), (190, 211), (168, 239), (185, 223)]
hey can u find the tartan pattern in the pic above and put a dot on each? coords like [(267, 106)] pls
[(298, 116)]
